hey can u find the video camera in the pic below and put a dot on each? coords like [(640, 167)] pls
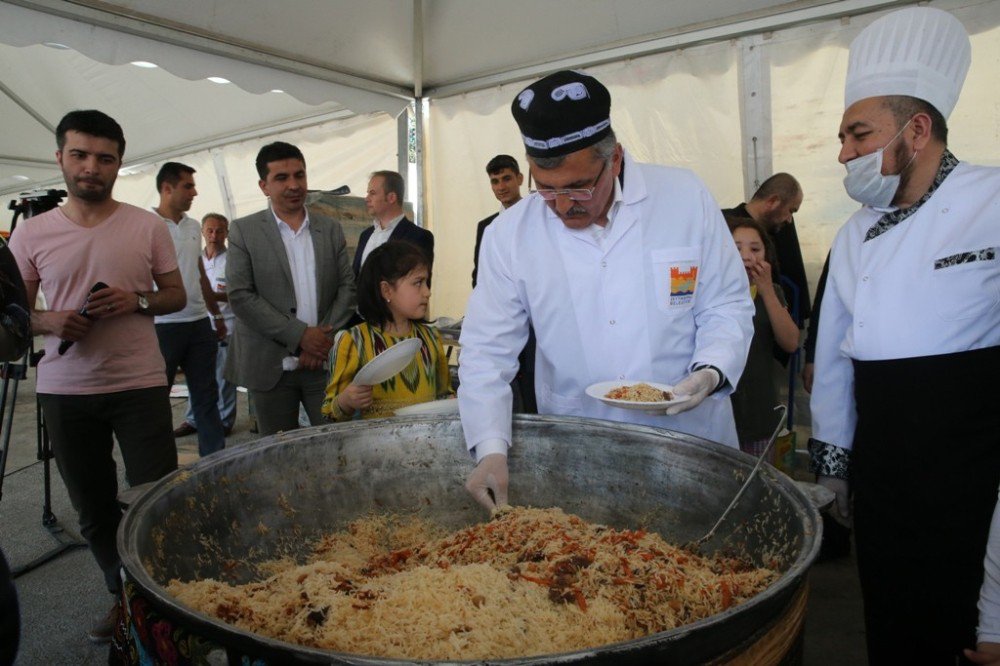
[(29, 204), (35, 202)]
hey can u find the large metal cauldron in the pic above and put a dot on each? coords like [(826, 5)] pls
[(271, 497)]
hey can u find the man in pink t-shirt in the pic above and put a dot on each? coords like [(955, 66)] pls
[(102, 373)]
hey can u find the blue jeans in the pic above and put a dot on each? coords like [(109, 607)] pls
[(227, 392), (193, 345)]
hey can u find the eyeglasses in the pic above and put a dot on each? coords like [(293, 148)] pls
[(574, 194)]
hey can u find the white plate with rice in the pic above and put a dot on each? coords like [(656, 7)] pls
[(644, 396)]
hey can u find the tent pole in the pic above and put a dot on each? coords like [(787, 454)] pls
[(754, 72), (418, 126), (222, 175), (27, 108), (416, 112)]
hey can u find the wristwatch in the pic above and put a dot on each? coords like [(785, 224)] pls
[(143, 303)]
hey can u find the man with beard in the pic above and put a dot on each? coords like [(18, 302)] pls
[(290, 284), (187, 339), (904, 401), (102, 374), (773, 206), (625, 270)]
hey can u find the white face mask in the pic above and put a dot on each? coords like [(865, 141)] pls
[(864, 181)]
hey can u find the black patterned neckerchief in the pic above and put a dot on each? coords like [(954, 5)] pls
[(889, 220)]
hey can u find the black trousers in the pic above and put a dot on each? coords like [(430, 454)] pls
[(81, 429), (925, 472), (278, 408)]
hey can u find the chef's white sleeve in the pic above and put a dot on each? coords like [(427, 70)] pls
[(494, 332), (489, 447), (723, 310), (834, 415)]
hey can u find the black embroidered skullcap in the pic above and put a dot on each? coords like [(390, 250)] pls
[(562, 113)]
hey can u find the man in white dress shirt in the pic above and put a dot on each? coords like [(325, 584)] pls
[(625, 270), (905, 399), (290, 285), (187, 338), (215, 229), (384, 202)]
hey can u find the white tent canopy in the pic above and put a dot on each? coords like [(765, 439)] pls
[(732, 90), (331, 59), (397, 47)]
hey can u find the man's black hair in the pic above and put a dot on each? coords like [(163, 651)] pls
[(171, 173), (501, 162), (782, 185), (272, 152), (904, 107), (92, 122), (390, 262)]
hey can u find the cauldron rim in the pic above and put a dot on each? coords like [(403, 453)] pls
[(782, 589)]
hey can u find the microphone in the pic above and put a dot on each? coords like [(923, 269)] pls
[(66, 344)]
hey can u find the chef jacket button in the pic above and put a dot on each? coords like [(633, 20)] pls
[(612, 322), (865, 278), (944, 210), (621, 376), (604, 264), (861, 324)]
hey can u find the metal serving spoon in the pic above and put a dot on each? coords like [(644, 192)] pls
[(694, 545)]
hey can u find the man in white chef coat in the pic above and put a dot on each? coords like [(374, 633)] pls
[(906, 402), (625, 270)]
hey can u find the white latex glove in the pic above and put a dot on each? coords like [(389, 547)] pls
[(699, 384), (490, 474), (841, 509)]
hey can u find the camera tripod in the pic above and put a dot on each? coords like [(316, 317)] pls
[(12, 373)]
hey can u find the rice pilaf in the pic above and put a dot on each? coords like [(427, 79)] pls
[(641, 392), (528, 582)]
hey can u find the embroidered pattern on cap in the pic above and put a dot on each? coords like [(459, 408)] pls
[(555, 142), (575, 91)]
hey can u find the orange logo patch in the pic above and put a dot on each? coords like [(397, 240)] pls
[(682, 284)]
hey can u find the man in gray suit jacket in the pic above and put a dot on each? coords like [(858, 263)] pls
[(291, 286)]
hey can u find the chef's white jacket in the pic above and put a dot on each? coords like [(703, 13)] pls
[(928, 286), (664, 291), (989, 596)]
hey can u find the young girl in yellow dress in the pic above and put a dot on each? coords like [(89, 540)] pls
[(393, 291)]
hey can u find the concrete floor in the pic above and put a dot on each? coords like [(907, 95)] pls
[(61, 597)]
